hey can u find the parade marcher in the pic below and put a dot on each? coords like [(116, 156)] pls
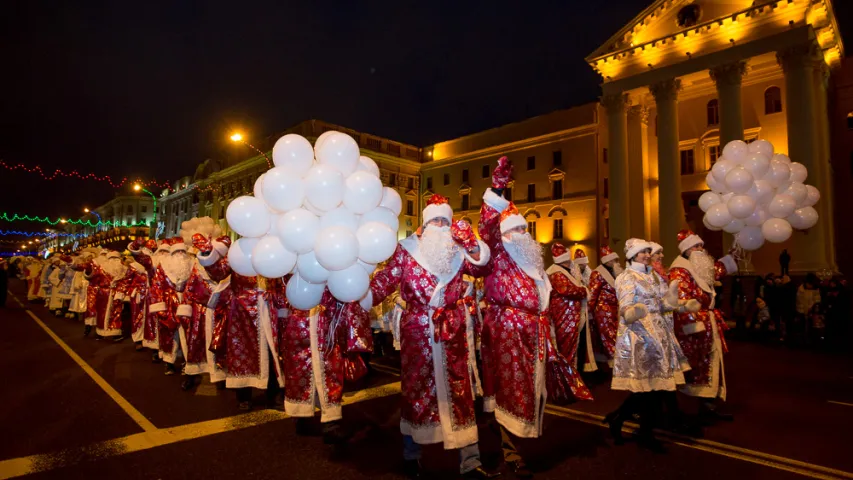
[(44, 283), (437, 385), (78, 304), (33, 275), (148, 254), (701, 333), (516, 329), (106, 294), (580, 259), (657, 260), (604, 305), (55, 278), (137, 297), (648, 359)]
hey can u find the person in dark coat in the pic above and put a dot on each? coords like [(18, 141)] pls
[(784, 261)]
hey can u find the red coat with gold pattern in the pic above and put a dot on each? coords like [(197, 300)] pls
[(569, 314), (151, 324), (700, 334), (437, 388), (604, 310), (106, 295), (137, 296)]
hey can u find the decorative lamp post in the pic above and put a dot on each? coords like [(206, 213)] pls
[(138, 188)]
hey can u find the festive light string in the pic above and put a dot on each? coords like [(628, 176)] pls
[(16, 217), (90, 176), (37, 234)]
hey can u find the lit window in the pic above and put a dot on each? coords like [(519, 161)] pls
[(531, 229), (714, 152), (687, 162), (558, 228)]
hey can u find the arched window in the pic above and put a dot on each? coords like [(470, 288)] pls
[(850, 121), (713, 112), (772, 100)]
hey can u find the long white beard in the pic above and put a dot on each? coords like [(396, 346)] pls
[(114, 268), (703, 266), (178, 267), (617, 269), (528, 250), (439, 249), (155, 259)]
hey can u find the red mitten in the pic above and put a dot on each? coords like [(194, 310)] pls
[(502, 174), (202, 243), (151, 244), (138, 243), (463, 234)]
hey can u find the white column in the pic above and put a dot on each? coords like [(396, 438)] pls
[(617, 147), (638, 172), (671, 205), (728, 81)]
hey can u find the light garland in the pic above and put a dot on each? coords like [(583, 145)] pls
[(90, 176), (16, 217), (38, 234)]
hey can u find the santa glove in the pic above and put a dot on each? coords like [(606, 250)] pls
[(671, 297), (202, 243), (137, 244), (502, 174), (151, 244), (635, 312), (689, 306), (463, 234)]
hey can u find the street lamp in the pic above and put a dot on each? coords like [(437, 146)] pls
[(238, 137), (86, 210), (138, 188)]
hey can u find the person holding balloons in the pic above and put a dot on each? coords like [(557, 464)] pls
[(437, 390)]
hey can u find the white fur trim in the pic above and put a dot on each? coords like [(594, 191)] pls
[(157, 307), (689, 242), (566, 257), (485, 255), (220, 248), (441, 210), (184, 310), (581, 261), (178, 247), (656, 247), (495, 201), (118, 296), (730, 264), (208, 259), (283, 312), (607, 258), (637, 248), (511, 222), (691, 328)]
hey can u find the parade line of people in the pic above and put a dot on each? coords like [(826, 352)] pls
[(657, 328)]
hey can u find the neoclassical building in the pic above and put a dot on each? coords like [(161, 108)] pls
[(685, 77)]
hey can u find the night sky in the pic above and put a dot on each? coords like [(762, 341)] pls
[(152, 88)]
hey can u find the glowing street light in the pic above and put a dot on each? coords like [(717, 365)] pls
[(137, 187), (238, 137)]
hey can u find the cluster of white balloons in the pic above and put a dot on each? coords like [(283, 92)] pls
[(757, 195), (322, 214)]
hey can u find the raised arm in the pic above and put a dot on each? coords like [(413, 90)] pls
[(387, 280)]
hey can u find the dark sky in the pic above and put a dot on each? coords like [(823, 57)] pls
[(152, 87)]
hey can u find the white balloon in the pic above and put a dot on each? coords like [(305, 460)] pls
[(781, 207), (336, 248), (298, 230), (739, 180), (310, 269), (338, 150), (362, 192), (778, 173), (339, 217), (761, 146), (776, 230), (758, 217), (812, 196), (708, 225), (366, 164), (391, 200), (757, 164), (761, 191), (799, 172), (741, 206), (781, 157), (248, 216), (803, 218), (304, 295), (734, 226), (349, 284), (270, 259), (376, 242), (718, 215), (750, 238), (721, 169), (368, 267), (714, 184), (311, 208), (283, 189), (726, 197), (324, 187), (240, 256), (797, 191), (736, 151), (259, 183), (381, 215), (707, 199), (293, 152), (323, 136)]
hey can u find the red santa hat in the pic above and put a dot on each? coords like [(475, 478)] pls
[(580, 257), (510, 218), (687, 239), (560, 253), (113, 255), (176, 244), (438, 207), (634, 246), (66, 258), (607, 254), (222, 244), (163, 246)]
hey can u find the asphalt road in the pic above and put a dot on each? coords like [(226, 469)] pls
[(793, 409)]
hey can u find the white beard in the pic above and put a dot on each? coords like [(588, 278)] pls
[(438, 248), (155, 259), (178, 267), (703, 266), (114, 268), (617, 269), (526, 249)]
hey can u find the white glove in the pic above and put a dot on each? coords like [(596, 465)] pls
[(635, 312), (689, 306), (671, 297)]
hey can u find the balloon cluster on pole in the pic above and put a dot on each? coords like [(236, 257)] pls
[(321, 214), (757, 195)]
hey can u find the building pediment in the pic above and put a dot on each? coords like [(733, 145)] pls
[(556, 174)]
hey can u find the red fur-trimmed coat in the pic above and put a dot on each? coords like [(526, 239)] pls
[(106, 300), (569, 314), (604, 310)]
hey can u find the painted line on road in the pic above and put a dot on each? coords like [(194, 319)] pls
[(17, 467), (841, 403), (129, 409)]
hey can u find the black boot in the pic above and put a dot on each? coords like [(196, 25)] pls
[(412, 468), (188, 383), (615, 420), (480, 473), (170, 369), (155, 358), (519, 469), (711, 414), (334, 433), (87, 330)]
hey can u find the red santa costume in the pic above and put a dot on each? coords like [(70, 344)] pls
[(438, 394), (700, 333), (603, 303), (106, 278), (148, 255), (568, 306), (33, 279)]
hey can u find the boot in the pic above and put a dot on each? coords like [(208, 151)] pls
[(170, 369), (188, 383), (519, 469), (412, 468), (615, 420), (155, 358), (334, 433), (480, 473), (87, 330)]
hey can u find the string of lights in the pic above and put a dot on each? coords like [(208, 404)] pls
[(90, 176), (37, 234), (16, 217)]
